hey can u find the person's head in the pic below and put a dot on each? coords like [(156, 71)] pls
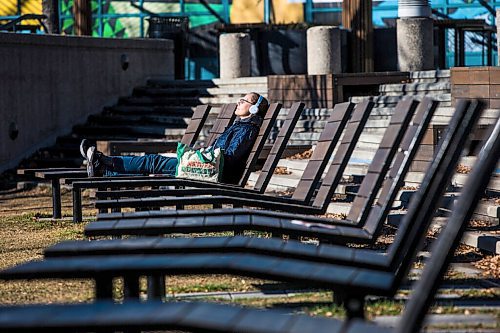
[(251, 99)]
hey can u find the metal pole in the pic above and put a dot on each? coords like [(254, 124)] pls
[(56, 199), (225, 4), (267, 7), (142, 19), (309, 11), (100, 19)]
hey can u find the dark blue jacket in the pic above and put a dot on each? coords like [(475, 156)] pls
[(237, 141)]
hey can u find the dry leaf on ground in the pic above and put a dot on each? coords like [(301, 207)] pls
[(282, 171), (490, 266), (463, 169), (302, 156)]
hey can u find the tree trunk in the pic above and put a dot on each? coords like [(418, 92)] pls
[(357, 16), (50, 8), (82, 12)]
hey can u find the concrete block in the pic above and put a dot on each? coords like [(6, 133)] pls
[(415, 44), (323, 50), (234, 55)]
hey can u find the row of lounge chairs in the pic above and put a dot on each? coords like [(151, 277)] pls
[(352, 273)]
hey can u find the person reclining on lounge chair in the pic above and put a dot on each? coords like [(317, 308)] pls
[(236, 142)]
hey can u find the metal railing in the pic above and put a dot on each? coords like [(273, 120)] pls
[(143, 13), (14, 25)]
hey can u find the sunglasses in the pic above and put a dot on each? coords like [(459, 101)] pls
[(242, 100)]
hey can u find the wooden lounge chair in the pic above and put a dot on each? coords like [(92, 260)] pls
[(199, 316), (299, 203), (353, 282), (104, 182)]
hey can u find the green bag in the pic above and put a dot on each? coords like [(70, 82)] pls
[(199, 164)]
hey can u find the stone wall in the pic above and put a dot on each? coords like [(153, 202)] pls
[(476, 82), (48, 83)]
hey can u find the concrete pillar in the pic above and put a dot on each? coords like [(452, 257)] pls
[(234, 55), (414, 8), (323, 50), (415, 37), (498, 33), (415, 43)]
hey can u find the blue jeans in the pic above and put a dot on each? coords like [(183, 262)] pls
[(138, 165)]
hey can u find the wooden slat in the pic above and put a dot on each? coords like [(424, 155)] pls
[(326, 144), (339, 163), (357, 16), (382, 160), (402, 161), (196, 124), (264, 131), (224, 119), (278, 147)]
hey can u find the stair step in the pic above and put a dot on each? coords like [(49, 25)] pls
[(405, 88), (167, 92), (138, 120), (441, 74), (160, 101), (61, 151), (200, 92), (181, 111), (130, 131), (486, 241), (56, 162), (174, 101), (244, 81), (458, 180), (169, 83)]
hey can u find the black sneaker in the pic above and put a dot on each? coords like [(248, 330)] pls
[(84, 147)]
